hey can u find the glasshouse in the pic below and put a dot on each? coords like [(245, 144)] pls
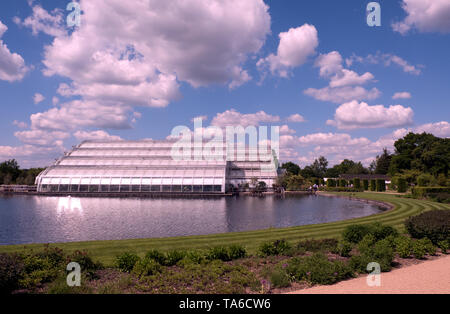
[(154, 167)]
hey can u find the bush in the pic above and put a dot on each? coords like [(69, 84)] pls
[(84, 260), (422, 247), (402, 185), (343, 189), (380, 252), (426, 179), (373, 185), (357, 183), (434, 225), (146, 267), (355, 233), (344, 248), (444, 246), (11, 272), (236, 251), (331, 183), (218, 253), (322, 245), (366, 184), (381, 185), (403, 246), (318, 269), (173, 257), (342, 183), (277, 247), (125, 262), (423, 192), (279, 279), (381, 232), (157, 256)]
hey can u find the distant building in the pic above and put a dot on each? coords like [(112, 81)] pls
[(155, 167)]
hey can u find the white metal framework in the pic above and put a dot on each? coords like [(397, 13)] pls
[(148, 166)]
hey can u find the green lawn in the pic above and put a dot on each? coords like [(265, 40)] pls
[(105, 251)]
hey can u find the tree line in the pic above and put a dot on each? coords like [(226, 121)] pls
[(10, 173), (422, 159)]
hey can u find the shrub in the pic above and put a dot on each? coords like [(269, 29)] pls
[(426, 179), (318, 269), (218, 253), (366, 184), (357, 183), (434, 225), (422, 247), (381, 232), (343, 189), (236, 251), (418, 249), (342, 183), (11, 272), (423, 192), (277, 247), (444, 246), (195, 257), (322, 245), (54, 255), (344, 248), (403, 246), (355, 233), (84, 260), (146, 267), (125, 262), (157, 256), (380, 252), (331, 183), (402, 185), (279, 279), (381, 185), (173, 257), (373, 185)]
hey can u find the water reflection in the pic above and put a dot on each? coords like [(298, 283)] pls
[(36, 219)]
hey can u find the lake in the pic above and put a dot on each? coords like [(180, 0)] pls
[(41, 219)]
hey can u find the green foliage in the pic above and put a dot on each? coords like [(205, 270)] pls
[(344, 248), (146, 267), (381, 252), (366, 184), (444, 245), (277, 247), (381, 185), (321, 245), (373, 185), (402, 185), (423, 192), (237, 251), (331, 183), (85, 261), (355, 233), (291, 168), (434, 225), (11, 272), (157, 256), (357, 183), (426, 179), (294, 182), (279, 278), (342, 183), (383, 162), (403, 246), (173, 257), (343, 189), (125, 262), (318, 269), (423, 152)]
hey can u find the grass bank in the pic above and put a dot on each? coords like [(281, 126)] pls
[(105, 251)]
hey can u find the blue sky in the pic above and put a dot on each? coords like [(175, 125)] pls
[(190, 53)]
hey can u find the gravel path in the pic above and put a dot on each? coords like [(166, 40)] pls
[(427, 277)]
